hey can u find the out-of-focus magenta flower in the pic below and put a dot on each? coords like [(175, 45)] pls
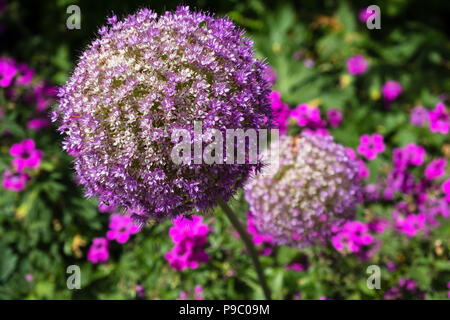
[(295, 266), (280, 111), (334, 117), (435, 169), (406, 289), (189, 237), (446, 189), (259, 238), (309, 63), (439, 119), (104, 208), (307, 116), (352, 237), (364, 15), (411, 154), (121, 228), (98, 252), (196, 294), (140, 291), (363, 170), (8, 70), (390, 265), (43, 94), (316, 132), (419, 116), (391, 90), (378, 225), (411, 224), (357, 65), (14, 181), (297, 55), (29, 277), (25, 155), (38, 124), (371, 145), (25, 74), (371, 192)]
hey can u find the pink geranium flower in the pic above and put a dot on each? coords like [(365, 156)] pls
[(37, 124), (419, 116), (121, 228), (334, 117), (98, 252), (371, 145), (357, 64), (25, 74), (280, 111), (7, 71), (411, 224), (446, 189), (364, 15), (14, 181), (189, 236), (25, 155), (435, 169), (439, 119), (391, 90), (306, 115)]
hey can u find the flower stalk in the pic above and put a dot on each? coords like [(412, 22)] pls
[(249, 245)]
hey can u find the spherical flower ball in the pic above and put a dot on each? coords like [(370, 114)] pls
[(313, 187), (141, 79)]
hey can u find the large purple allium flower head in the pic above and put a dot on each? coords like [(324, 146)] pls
[(314, 187), (142, 78)]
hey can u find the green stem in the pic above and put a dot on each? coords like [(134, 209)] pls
[(248, 243)]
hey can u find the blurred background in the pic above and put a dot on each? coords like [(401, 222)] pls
[(47, 225)]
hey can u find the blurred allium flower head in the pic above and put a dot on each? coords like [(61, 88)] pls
[(314, 187), (363, 171), (357, 64), (391, 90), (144, 77)]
